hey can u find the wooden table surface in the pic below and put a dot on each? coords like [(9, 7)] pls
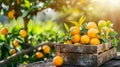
[(115, 62)]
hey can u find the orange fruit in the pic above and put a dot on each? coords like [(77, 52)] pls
[(76, 38), (23, 33), (12, 51), (101, 23), (92, 33), (39, 54), (11, 14), (91, 25), (16, 43), (85, 39), (68, 42), (4, 31), (94, 41), (74, 30), (46, 49), (58, 61), (77, 44)]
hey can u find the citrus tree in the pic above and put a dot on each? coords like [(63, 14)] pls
[(26, 9)]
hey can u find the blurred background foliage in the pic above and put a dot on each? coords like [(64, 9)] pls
[(66, 10), (38, 32)]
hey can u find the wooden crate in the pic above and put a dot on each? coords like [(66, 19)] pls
[(85, 55)]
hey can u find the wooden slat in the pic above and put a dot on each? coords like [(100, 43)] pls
[(84, 49), (100, 48), (106, 56), (108, 45), (89, 60), (83, 60), (78, 49)]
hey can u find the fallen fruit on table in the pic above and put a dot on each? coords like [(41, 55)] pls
[(58, 61)]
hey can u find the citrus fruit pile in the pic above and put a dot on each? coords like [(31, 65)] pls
[(91, 33)]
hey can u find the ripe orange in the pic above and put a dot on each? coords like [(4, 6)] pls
[(101, 23), (23, 33), (92, 33), (39, 54), (11, 14), (68, 42), (46, 49), (58, 61), (77, 44), (74, 30), (91, 25), (76, 38), (85, 39), (16, 43), (12, 51), (94, 41), (4, 31)]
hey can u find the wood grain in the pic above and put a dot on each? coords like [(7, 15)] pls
[(84, 49), (83, 60), (88, 60), (106, 56)]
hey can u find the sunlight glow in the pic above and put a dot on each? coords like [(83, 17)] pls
[(109, 4)]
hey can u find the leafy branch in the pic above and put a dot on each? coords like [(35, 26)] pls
[(3, 62)]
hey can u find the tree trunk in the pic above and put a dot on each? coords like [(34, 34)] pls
[(26, 20)]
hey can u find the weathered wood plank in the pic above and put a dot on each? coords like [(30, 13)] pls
[(84, 60), (47, 63), (104, 47), (78, 49), (85, 49), (88, 60), (107, 55), (108, 45)]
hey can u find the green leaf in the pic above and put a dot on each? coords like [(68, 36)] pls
[(104, 31), (75, 23), (105, 39), (115, 42), (83, 28), (27, 3), (112, 33), (69, 37), (81, 20), (108, 24), (66, 27)]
